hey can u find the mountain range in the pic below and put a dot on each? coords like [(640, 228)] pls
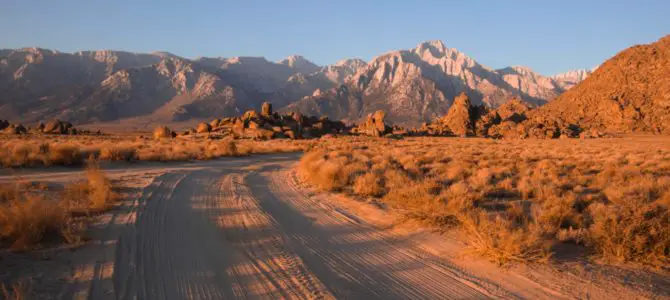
[(413, 86)]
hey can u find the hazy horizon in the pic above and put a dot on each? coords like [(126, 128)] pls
[(549, 38)]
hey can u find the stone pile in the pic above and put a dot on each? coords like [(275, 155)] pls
[(270, 125), (7, 128), (52, 127)]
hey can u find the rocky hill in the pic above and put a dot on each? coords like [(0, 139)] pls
[(416, 86), (411, 85), (628, 93)]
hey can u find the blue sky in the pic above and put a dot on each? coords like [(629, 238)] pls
[(547, 36)]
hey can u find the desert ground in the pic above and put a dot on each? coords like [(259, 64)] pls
[(337, 217)]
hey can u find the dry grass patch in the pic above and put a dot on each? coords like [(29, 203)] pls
[(514, 199), (36, 151), (28, 219)]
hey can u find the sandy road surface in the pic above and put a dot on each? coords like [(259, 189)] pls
[(244, 230)]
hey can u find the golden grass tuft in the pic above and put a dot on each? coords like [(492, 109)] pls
[(502, 240), (28, 219)]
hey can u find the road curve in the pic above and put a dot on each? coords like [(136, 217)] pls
[(246, 230)]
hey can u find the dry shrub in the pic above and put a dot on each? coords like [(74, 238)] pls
[(27, 219), (504, 241), (369, 185), (631, 232), (95, 194), (419, 200), (100, 193), (325, 172), (118, 153), (65, 155), (223, 148), (560, 213)]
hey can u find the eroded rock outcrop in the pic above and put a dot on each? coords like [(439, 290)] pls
[(509, 121), (269, 125), (163, 132), (58, 127), (459, 121), (203, 128), (14, 129), (374, 125)]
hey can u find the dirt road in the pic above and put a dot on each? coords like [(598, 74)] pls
[(245, 230)]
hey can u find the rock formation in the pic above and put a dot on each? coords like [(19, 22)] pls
[(375, 125), (628, 93), (460, 118), (58, 127), (270, 125), (203, 128), (266, 110), (509, 121), (163, 132), (14, 129)]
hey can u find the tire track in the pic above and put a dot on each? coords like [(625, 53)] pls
[(255, 233), (214, 233), (353, 259), (171, 251)]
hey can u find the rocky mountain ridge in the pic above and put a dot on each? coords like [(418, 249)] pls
[(93, 86), (416, 86)]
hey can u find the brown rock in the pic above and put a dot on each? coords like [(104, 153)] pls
[(15, 129), (3, 124), (258, 134), (266, 110), (162, 132), (254, 125), (57, 127), (290, 134), (215, 123), (375, 125), (379, 119), (204, 128), (298, 117), (459, 119), (250, 114), (514, 110), (238, 127)]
